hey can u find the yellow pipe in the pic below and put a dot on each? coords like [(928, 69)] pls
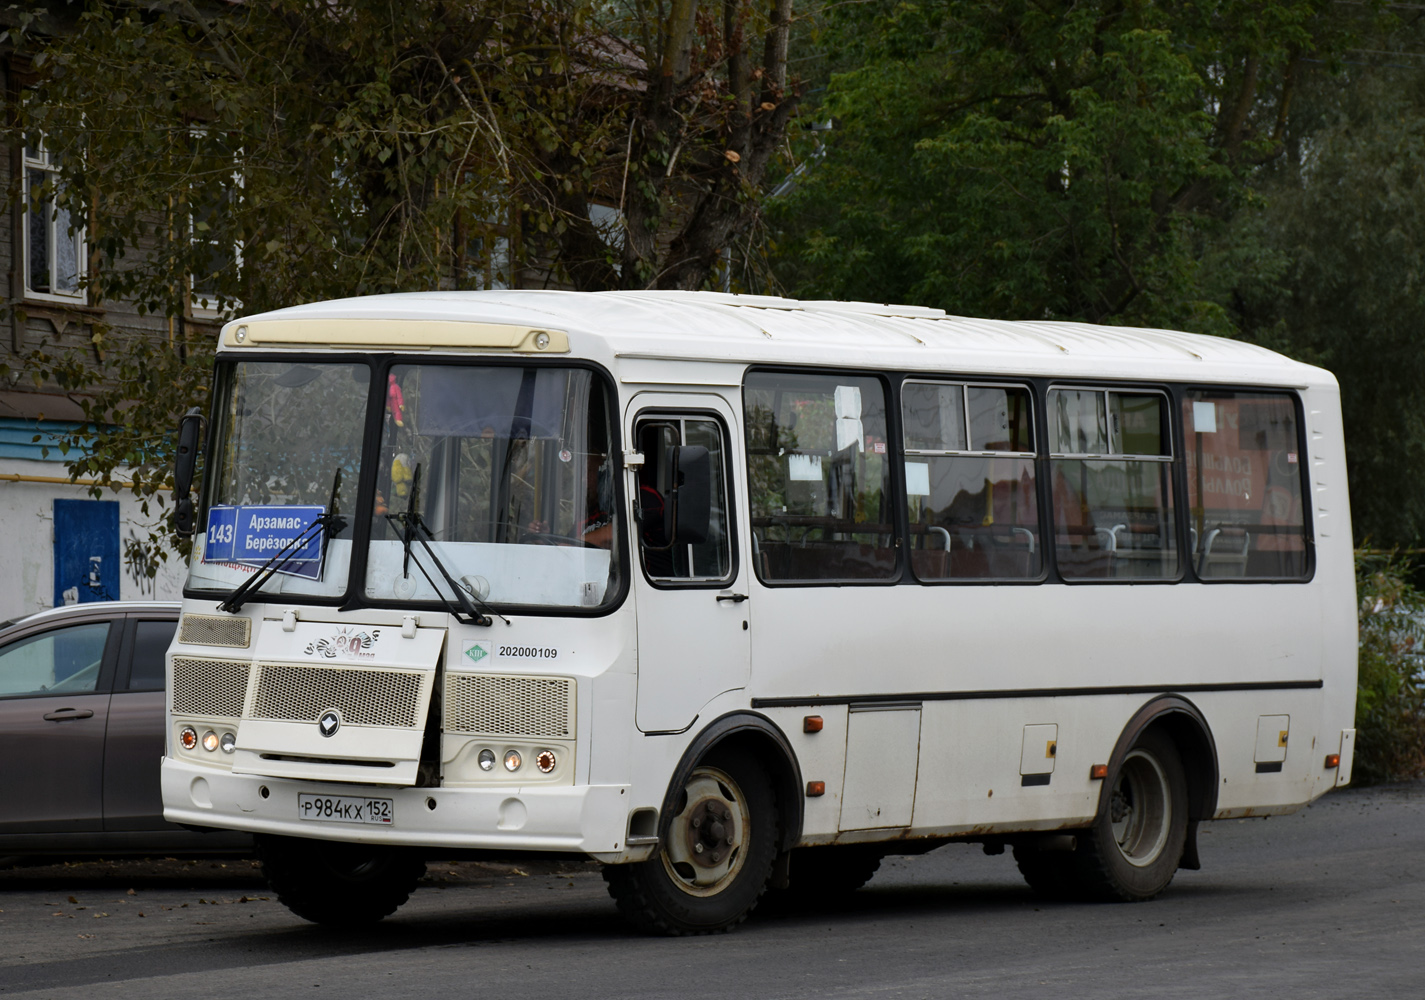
[(15, 477)]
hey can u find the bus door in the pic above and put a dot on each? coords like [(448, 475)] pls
[(691, 589)]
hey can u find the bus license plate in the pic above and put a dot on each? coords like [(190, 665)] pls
[(344, 809)]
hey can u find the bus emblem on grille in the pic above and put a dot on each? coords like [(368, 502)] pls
[(329, 723)]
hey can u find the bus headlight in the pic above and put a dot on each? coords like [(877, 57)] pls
[(210, 741), (228, 742), (487, 760), (513, 760), (188, 737), (545, 761)]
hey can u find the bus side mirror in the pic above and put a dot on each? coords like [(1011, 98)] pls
[(692, 503), (190, 440)]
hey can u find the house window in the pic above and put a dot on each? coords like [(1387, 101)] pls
[(54, 241), (216, 256)]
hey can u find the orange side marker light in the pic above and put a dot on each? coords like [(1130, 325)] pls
[(1098, 772), (815, 788), (812, 724), (1333, 760)]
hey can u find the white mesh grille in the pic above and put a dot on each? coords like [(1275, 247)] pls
[(211, 688), (509, 706), (363, 697), (206, 630)]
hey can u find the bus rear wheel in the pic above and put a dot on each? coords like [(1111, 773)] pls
[(715, 856), (1132, 851), (339, 885), (826, 874)]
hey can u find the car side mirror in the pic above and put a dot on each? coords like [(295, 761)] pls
[(190, 442)]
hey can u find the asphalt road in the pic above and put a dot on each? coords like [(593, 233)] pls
[(1327, 903)]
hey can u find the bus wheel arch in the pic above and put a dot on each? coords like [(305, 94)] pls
[(1183, 723), (765, 741), (726, 823)]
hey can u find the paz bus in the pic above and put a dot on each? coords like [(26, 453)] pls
[(738, 594)]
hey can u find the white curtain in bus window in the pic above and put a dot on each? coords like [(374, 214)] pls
[(970, 489), (1111, 463), (818, 467), (1244, 476)]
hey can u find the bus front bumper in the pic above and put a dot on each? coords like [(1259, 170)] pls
[(591, 819)]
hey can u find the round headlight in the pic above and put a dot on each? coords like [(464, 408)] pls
[(513, 760), (545, 761), (228, 742), (210, 741), (188, 737), (487, 760)]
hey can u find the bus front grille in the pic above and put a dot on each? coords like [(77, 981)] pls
[(389, 698), (486, 705), (209, 688), (210, 630)]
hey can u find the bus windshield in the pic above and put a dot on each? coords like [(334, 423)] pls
[(287, 448), (509, 471)]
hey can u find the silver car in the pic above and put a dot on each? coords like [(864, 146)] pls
[(81, 734)]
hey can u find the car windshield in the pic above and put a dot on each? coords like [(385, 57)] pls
[(510, 470), (287, 447)]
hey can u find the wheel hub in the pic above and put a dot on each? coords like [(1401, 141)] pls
[(709, 832)]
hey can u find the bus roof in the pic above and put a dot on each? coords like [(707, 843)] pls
[(756, 329)]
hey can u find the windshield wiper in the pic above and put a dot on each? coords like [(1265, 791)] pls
[(414, 529), (330, 521)]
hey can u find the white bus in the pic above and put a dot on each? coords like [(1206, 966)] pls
[(735, 593)]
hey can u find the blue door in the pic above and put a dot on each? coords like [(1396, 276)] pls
[(86, 551)]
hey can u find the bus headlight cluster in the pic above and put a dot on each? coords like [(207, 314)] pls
[(211, 741), (517, 760)]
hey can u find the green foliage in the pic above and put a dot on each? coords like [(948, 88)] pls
[(244, 157), (1338, 278), (1390, 698), (1042, 160)]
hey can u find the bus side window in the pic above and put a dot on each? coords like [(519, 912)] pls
[(1111, 462), (969, 473), (1244, 478), (709, 559), (818, 463)]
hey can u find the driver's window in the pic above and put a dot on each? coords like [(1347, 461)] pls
[(704, 560), (66, 660)]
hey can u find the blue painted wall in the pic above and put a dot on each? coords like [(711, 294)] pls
[(86, 550)]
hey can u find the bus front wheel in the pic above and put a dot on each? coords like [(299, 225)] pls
[(338, 885), (715, 856)]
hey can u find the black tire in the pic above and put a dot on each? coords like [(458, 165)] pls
[(693, 887), (339, 885), (1131, 853), (825, 874), (1049, 873)]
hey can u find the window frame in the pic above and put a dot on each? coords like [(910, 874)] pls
[(1181, 392), (1036, 455), (104, 682), (654, 414), (894, 484), (1168, 437), (37, 158)]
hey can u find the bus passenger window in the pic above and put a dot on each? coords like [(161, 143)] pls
[(819, 470), (1111, 463), (706, 560), (1244, 478), (969, 472)]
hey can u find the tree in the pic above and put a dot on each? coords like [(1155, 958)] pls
[(249, 156), (1339, 275), (1052, 160)]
